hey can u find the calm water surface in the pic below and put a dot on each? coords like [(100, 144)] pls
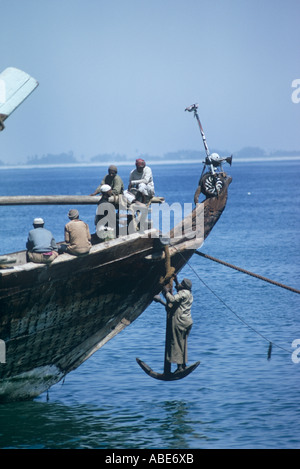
[(236, 398)]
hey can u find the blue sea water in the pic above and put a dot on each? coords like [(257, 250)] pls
[(236, 398)]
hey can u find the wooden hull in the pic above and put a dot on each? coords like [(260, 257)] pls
[(53, 317)]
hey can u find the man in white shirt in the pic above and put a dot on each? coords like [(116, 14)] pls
[(141, 181)]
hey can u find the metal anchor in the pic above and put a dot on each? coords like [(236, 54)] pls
[(167, 375)]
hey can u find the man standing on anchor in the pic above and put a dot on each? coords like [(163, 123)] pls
[(180, 305)]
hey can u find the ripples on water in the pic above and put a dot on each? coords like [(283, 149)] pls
[(236, 398)]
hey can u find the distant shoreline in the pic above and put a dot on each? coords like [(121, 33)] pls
[(150, 163)]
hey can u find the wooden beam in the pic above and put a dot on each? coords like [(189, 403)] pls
[(49, 200)]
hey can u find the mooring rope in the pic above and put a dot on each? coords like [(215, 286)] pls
[(235, 314), (265, 279)]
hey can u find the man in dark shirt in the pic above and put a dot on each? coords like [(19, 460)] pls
[(113, 180)]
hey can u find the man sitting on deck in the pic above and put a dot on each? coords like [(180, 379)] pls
[(77, 235), (141, 181), (106, 219), (41, 245), (113, 180)]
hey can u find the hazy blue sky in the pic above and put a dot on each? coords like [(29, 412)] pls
[(116, 75)]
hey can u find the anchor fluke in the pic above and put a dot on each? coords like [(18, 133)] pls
[(167, 376)]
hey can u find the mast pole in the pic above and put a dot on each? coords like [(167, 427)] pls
[(193, 108)]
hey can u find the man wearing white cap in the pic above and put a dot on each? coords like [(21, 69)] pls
[(41, 245), (106, 209)]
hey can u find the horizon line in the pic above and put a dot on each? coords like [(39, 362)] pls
[(152, 163)]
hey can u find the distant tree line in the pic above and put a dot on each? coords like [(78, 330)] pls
[(180, 155), (62, 158)]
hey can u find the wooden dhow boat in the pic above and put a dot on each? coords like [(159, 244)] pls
[(54, 317)]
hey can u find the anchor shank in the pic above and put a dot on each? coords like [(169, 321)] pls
[(167, 364), (167, 375)]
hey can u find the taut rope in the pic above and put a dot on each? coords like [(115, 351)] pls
[(231, 310), (265, 279)]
